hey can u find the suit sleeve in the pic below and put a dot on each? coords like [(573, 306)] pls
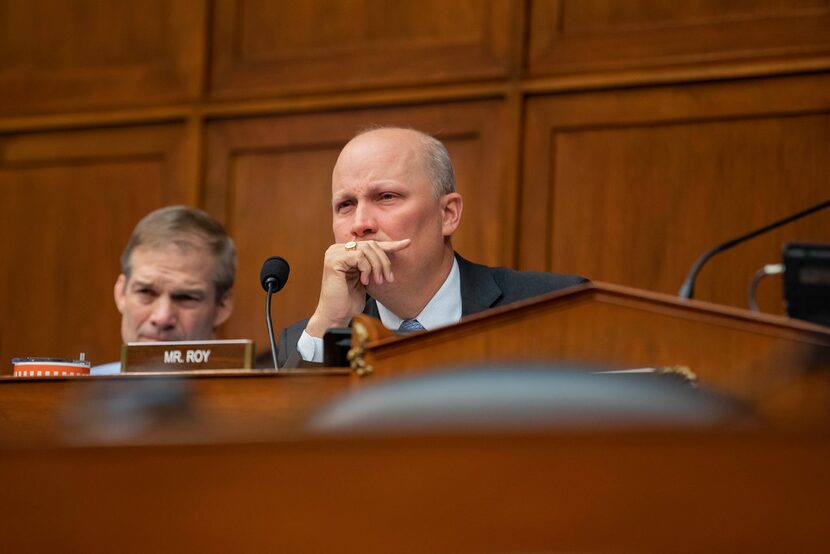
[(287, 355)]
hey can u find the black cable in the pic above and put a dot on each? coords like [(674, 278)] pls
[(769, 269), (687, 290), (268, 294)]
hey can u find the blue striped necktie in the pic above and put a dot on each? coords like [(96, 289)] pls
[(409, 325)]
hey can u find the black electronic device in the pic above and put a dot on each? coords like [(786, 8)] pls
[(807, 281), (336, 344)]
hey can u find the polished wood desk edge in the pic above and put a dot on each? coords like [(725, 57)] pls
[(607, 291), (494, 439), (203, 374)]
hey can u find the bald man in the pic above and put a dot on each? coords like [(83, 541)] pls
[(394, 211)]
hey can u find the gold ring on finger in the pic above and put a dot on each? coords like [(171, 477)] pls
[(351, 245)]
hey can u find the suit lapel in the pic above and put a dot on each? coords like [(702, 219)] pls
[(479, 290)]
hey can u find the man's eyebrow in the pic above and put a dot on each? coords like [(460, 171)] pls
[(340, 197), (369, 190), (193, 291), (142, 284)]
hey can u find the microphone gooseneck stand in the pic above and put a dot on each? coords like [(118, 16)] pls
[(687, 290)]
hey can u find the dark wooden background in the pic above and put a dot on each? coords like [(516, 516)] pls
[(613, 139)]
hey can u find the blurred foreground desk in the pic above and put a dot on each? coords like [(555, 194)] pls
[(498, 492), (191, 407), (224, 462)]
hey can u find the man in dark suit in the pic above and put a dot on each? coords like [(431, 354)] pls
[(394, 211)]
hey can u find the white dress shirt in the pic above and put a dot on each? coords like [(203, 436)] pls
[(443, 309)]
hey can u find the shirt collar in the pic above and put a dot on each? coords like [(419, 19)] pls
[(443, 309)]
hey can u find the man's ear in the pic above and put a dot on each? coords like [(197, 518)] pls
[(451, 207), (224, 308), (119, 292)]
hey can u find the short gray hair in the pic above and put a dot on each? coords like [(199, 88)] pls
[(186, 228), (439, 165), (436, 159)]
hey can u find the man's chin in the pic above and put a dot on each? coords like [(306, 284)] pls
[(378, 292)]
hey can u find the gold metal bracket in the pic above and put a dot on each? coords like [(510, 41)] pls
[(682, 372), (360, 335)]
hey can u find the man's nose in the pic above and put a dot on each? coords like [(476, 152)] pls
[(364, 221), (164, 313)]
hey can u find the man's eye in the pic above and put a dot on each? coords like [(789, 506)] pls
[(344, 205), (145, 294), (388, 196)]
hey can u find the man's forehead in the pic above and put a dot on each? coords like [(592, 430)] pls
[(186, 266), (184, 244), (392, 137), (377, 158), (383, 147)]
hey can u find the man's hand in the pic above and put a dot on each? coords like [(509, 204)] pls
[(346, 274)]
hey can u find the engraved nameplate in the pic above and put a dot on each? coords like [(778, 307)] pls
[(186, 355)]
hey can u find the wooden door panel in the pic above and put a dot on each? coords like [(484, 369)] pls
[(69, 202), (631, 186), (596, 36), (262, 47), (63, 56)]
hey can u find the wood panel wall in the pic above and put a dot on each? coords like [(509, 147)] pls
[(612, 139)]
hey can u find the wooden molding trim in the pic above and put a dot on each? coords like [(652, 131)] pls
[(207, 109), (271, 106), (673, 75)]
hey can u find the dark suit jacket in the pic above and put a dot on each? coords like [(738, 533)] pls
[(482, 288)]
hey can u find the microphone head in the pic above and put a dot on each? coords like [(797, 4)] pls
[(274, 270)]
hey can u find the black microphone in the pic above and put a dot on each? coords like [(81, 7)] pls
[(687, 290), (272, 277)]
